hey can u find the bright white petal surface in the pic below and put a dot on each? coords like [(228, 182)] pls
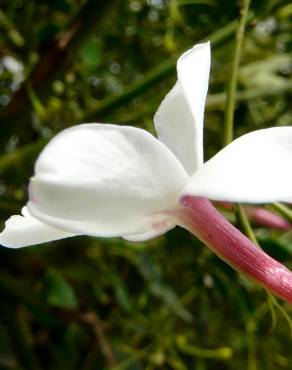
[(256, 168), (105, 180), (179, 119), (25, 230)]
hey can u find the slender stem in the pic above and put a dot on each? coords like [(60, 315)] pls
[(99, 330), (285, 211), (282, 310), (230, 106), (216, 353), (11, 30), (244, 223), (231, 92), (203, 220)]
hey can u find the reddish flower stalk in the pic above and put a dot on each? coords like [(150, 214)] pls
[(201, 218), (260, 216)]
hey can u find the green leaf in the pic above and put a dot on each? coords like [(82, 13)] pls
[(58, 291), (91, 53)]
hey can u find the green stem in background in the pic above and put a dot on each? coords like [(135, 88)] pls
[(284, 210), (283, 312), (245, 224), (35, 102), (222, 353), (8, 27), (231, 91), (230, 105)]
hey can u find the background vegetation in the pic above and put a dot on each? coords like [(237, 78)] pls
[(87, 303)]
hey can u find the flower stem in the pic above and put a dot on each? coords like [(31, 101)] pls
[(203, 220), (246, 227), (284, 210), (231, 91)]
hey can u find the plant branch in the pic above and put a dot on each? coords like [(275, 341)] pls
[(231, 91), (99, 330), (282, 209)]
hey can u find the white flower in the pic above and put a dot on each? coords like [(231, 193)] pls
[(15, 67), (109, 180)]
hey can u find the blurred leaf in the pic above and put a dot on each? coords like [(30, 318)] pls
[(58, 291), (191, 2), (276, 248), (121, 293), (91, 53)]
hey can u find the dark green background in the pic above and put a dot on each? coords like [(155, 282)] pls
[(89, 303)]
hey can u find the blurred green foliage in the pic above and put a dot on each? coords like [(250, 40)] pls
[(87, 303)]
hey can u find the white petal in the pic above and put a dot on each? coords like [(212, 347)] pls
[(179, 119), (151, 234), (256, 168), (12, 65), (105, 180), (22, 231)]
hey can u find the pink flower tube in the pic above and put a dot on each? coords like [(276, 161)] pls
[(201, 218)]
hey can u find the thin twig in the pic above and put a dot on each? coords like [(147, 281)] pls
[(245, 224), (284, 210), (105, 347), (231, 91)]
